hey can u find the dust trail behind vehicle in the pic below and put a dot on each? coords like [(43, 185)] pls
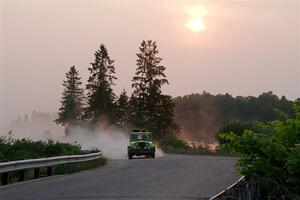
[(110, 140)]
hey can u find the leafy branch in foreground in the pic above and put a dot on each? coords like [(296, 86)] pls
[(272, 160)]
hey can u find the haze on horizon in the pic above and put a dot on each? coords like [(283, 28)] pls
[(236, 47)]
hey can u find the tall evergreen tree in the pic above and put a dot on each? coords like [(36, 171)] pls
[(150, 108), (99, 88), (71, 109), (122, 109)]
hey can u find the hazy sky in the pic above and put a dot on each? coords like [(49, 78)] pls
[(243, 48)]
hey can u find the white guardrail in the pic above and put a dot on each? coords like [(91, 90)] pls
[(45, 162), (35, 164)]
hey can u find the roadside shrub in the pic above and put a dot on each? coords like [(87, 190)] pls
[(20, 149), (272, 160)]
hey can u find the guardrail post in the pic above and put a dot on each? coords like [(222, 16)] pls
[(22, 175), (36, 172), (4, 178), (49, 171)]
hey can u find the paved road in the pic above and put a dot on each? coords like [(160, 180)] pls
[(165, 178)]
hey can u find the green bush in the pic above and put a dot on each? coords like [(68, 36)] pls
[(270, 159), (238, 128), (20, 149)]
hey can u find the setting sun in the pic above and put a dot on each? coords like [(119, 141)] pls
[(197, 14), (196, 25)]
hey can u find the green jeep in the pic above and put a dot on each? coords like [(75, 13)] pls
[(141, 143)]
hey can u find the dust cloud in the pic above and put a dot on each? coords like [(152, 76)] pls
[(110, 140), (199, 121), (41, 126)]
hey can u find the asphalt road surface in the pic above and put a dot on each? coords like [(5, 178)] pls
[(165, 178)]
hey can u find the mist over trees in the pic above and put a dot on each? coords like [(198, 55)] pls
[(200, 116), (35, 117), (38, 124)]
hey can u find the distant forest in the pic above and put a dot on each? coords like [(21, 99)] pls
[(200, 116)]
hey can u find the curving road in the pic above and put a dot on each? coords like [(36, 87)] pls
[(164, 178)]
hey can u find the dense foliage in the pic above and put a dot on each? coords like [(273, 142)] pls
[(238, 128), (19, 149), (270, 157), (201, 115), (71, 108)]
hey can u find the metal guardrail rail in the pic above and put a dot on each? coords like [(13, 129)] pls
[(240, 190), (36, 164), (223, 192)]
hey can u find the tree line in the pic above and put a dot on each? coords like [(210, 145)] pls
[(147, 107), (200, 116)]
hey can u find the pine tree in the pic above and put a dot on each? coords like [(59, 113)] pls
[(100, 94), (149, 107), (122, 109), (71, 109)]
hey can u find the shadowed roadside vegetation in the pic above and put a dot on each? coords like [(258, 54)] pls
[(20, 149), (269, 153)]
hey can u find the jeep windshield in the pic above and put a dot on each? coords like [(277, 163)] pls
[(140, 137)]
